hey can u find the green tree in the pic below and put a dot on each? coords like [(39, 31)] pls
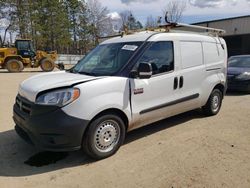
[(51, 25), (62, 25), (78, 17), (85, 29)]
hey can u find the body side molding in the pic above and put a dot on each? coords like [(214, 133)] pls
[(194, 96)]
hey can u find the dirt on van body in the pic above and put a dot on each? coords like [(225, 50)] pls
[(188, 150)]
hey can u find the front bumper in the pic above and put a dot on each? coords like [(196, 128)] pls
[(48, 127)]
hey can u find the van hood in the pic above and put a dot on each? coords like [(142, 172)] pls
[(30, 87)]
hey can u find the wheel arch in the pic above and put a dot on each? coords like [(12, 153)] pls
[(220, 87), (114, 111), (209, 109)]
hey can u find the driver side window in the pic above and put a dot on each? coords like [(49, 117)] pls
[(160, 55)]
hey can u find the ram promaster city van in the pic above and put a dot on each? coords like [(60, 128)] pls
[(126, 82)]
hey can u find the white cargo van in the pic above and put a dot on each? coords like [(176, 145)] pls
[(124, 83)]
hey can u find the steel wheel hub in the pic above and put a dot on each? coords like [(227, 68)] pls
[(107, 135), (215, 102)]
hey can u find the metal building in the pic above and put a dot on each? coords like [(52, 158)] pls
[(237, 33)]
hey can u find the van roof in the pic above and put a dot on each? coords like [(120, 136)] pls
[(154, 36), (139, 36)]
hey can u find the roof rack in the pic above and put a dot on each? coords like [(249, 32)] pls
[(208, 30), (172, 25), (167, 27)]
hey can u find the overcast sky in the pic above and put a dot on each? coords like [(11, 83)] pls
[(196, 10)]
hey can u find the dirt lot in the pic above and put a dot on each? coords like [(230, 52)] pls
[(188, 150)]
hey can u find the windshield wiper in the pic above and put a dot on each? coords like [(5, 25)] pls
[(86, 73), (71, 70)]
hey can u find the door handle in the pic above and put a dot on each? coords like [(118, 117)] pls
[(181, 82), (175, 83)]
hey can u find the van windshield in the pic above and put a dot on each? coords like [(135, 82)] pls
[(106, 59)]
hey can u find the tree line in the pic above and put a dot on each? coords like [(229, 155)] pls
[(67, 26)]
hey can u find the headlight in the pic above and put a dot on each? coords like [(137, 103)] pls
[(58, 97), (244, 76)]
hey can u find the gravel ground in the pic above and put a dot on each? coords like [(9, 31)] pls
[(188, 150)]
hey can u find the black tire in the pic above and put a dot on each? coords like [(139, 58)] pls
[(60, 66), (14, 65), (47, 65), (213, 104), (104, 136)]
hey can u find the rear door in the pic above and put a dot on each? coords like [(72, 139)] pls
[(192, 74)]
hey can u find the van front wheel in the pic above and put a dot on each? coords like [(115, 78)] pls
[(213, 104), (104, 136)]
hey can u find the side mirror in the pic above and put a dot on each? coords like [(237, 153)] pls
[(133, 74), (144, 70)]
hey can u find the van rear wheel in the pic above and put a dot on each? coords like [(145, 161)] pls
[(213, 104), (14, 65), (104, 136)]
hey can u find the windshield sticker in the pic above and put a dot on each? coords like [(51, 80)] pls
[(129, 47)]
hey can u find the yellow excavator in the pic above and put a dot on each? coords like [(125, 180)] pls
[(22, 55)]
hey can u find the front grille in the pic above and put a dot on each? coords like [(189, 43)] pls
[(23, 105)]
